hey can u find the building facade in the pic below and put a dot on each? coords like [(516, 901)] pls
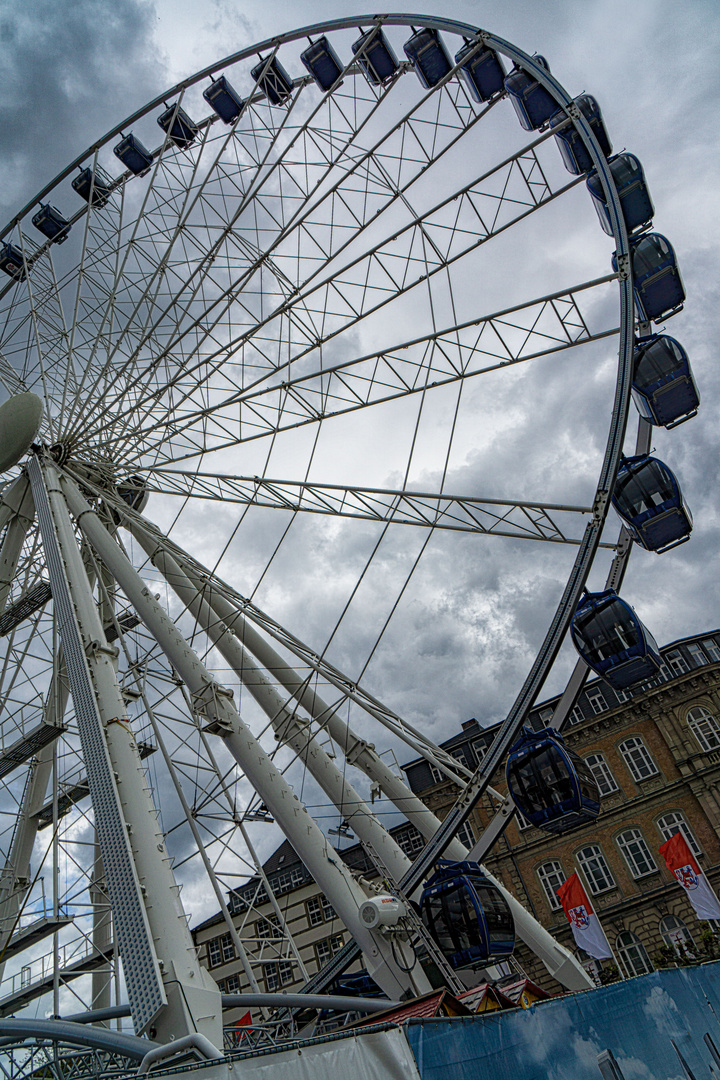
[(655, 753)]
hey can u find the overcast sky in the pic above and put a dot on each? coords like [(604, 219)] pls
[(462, 645)]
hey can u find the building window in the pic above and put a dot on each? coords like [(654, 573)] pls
[(278, 974), (637, 758), (677, 662), (632, 953), (546, 715), (673, 823), (676, 934), (576, 716), (637, 853), (437, 776), (221, 950), (596, 700), (711, 649), (232, 985), (411, 841), (314, 911), (522, 821), (596, 870), (268, 927), (480, 750), (462, 754), (325, 950), (698, 656), (623, 696), (601, 771), (466, 835), (704, 727), (551, 878)]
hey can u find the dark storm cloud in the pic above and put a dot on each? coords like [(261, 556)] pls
[(68, 71)]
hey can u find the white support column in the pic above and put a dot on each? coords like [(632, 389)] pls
[(215, 703), (16, 507), (170, 993)]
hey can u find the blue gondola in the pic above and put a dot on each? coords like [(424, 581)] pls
[(429, 57), (273, 80), (377, 60), (357, 984), (12, 262), (533, 104), (658, 287), (178, 126), (574, 153), (635, 202), (323, 63), (91, 187), (648, 498), (467, 915), (551, 786), (134, 156), (51, 223), (483, 74), (133, 491), (663, 386), (224, 100), (613, 642)]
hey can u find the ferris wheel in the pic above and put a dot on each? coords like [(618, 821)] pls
[(265, 348)]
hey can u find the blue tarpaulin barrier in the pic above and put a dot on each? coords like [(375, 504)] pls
[(662, 1026)]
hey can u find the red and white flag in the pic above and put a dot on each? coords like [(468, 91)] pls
[(683, 864), (584, 923)]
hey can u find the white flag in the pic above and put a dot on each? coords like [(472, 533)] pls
[(683, 864), (584, 923)]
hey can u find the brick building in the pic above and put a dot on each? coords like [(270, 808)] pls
[(655, 753)]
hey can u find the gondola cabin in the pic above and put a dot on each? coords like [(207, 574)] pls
[(613, 642), (467, 916), (647, 497), (483, 73), (635, 202), (178, 126), (52, 224), (224, 100), (658, 287), (273, 80), (375, 56), (575, 155), (134, 156), (429, 57), (12, 262), (663, 386), (550, 785), (533, 104), (323, 63)]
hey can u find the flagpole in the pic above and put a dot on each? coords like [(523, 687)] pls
[(583, 881)]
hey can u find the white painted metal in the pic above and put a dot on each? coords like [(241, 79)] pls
[(559, 961), (20, 418), (289, 728), (214, 703), (150, 924)]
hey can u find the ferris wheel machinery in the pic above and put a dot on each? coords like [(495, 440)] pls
[(215, 703), (121, 416), (228, 627), (219, 620)]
